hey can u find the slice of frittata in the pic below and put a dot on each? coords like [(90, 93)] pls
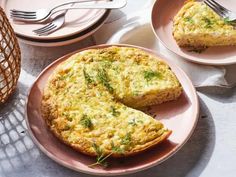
[(197, 25)]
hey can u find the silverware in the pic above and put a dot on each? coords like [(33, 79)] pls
[(45, 14), (225, 13), (56, 23)]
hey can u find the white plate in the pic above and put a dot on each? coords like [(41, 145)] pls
[(76, 20)]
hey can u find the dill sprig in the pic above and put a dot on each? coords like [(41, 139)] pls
[(228, 22), (114, 111), (86, 122), (126, 140), (87, 77), (188, 19), (116, 149), (208, 22), (104, 80), (100, 160), (149, 75)]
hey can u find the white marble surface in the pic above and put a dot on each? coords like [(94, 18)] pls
[(211, 151)]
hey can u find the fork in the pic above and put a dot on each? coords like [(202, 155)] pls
[(56, 23), (44, 14), (223, 12)]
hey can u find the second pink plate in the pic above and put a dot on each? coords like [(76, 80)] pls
[(163, 12)]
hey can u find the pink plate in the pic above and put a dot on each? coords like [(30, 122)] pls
[(163, 13), (75, 22), (180, 116), (67, 40)]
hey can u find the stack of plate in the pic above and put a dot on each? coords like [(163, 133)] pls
[(79, 23)]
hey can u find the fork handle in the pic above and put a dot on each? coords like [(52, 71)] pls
[(116, 4), (68, 4)]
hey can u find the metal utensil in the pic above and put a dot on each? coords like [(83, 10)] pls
[(45, 14), (221, 11), (56, 23)]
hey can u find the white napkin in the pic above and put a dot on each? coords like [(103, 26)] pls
[(132, 26)]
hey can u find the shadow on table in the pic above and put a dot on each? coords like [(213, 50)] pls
[(193, 158), (16, 148), (226, 96), (17, 151), (35, 58)]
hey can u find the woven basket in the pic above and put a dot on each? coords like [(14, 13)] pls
[(9, 58)]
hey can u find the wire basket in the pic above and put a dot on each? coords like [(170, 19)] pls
[(9, 58)]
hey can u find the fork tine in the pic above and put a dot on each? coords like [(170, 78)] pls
[(43, 28), (50, 30), (223, 8), (21, 11), (22, 17), (13, 13), (46, 30), (215, 9)]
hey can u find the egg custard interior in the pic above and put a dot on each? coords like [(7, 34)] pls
[(89, 100), (197, 25)]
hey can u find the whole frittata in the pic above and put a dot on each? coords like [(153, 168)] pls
[(91, 100)]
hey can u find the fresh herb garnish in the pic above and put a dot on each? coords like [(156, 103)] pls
[(228, 22), (67, 115), (126, 140), (103, 78), (86, 122), (114, 111), (208, 22), (100, 160), (116, 149), (149, 75), (97, 149), (188, 19), (87, 77)]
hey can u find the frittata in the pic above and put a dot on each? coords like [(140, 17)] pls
[(89, 100), (197, 25)]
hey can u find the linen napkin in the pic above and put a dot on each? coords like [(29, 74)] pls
[(132, 26)]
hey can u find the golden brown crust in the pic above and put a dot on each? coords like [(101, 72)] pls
[(148, 146)]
